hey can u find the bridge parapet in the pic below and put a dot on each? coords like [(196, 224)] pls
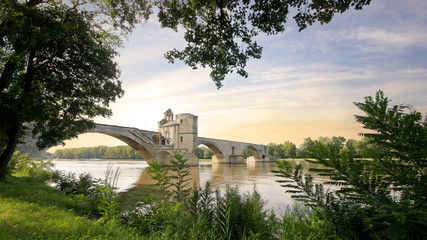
[(180, 134), (227, 151), (164, 147)]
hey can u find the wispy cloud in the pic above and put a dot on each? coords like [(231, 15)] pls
[(304, 85)]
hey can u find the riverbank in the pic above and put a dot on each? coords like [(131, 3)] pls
[(32, 210)]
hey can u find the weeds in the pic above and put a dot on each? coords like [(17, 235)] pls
[(171, 209), (23, 165)]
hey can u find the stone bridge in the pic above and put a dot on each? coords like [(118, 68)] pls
[(180, 134), (153, 145)]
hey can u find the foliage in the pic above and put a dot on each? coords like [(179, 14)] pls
[(308, 142), (57, 57), (23, 165), (57, 73), (220, 34), (177, 211), (247, 153), (208, 153), (357, 148), (101, 194), (29, 210), (98, 152), (383, 198), (33, 210), (301, 223)]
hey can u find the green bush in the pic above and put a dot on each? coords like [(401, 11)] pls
[(177, 211), (101, 194), (23, 165), (385, 198)]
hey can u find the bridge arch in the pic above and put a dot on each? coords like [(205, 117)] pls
[(144, 148), (255, 152), (219, 153)]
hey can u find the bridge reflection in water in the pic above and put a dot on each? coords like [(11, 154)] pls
[(245, 176), (134, 177)]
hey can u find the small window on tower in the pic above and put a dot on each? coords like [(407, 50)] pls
[(182, 139), (182, 121)]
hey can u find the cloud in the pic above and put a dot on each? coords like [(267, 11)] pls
[(304, 86)]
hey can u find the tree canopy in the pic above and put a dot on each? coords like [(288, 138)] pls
[(384, 198), (57, 57), (57, 73), (220, 33)]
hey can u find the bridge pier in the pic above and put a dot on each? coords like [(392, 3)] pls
[(178, 134), (164, 157), (236, 159), (230, 159), (218, 160)]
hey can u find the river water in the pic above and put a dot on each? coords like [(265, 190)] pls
[(246, 176)]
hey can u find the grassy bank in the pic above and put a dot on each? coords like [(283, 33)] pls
[(33, 210), (81, 207)]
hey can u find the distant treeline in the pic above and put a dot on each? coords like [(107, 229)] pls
[(358, 149), (120, 152), (99, 152)]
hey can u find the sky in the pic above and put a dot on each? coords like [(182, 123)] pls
[(303, 86)]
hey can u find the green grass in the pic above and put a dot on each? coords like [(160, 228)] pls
[(33, 210)]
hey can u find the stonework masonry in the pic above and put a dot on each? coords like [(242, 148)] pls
[(175, 133)]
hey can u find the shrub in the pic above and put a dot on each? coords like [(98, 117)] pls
[(101, 194), (382, 198), (177, 211), (23, 165)]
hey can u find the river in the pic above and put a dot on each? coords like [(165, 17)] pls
[(246, 176)]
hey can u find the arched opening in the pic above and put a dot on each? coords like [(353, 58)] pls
[(141, 150), (89, 140), (250, 153), (217, 156), (156, 139), (203, 153)]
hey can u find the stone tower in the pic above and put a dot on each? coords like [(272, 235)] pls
[(181, 132), (187, 131)]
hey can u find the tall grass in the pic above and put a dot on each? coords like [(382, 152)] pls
[(85, 208), (32, 210)]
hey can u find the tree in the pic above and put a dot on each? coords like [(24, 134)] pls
[(57, 73), (324, 140), (308, 142), (200, 152), (382, 198), (351, 146), (247, 153), (59, 154), (57, 67), (208, 153), (338, 142), (220, 33), (289, 149)]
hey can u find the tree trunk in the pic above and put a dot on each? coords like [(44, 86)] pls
[(7, 154)]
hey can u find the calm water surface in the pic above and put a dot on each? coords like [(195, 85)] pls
[(246, 176)]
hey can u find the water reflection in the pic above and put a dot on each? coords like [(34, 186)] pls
[(245, 176), (134, 177)]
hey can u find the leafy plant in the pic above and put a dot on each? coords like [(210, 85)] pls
[(382, 198), (23, 165), (101, 193)]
